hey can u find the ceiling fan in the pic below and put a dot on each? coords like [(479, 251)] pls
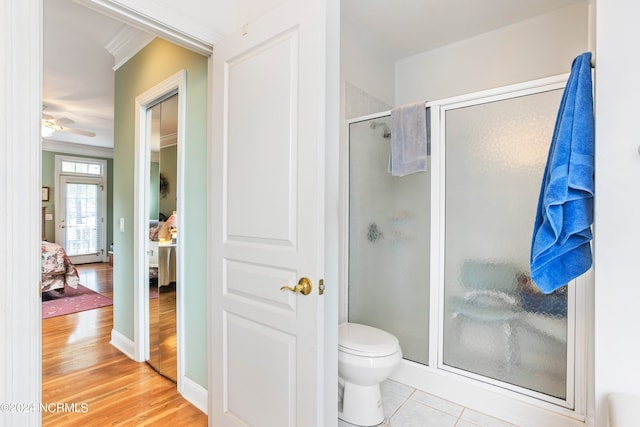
[(51, 124)]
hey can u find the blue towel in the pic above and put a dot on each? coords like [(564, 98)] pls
[(408, 140), (561, 248)]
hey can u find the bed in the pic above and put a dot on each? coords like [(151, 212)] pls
[(57, 269)]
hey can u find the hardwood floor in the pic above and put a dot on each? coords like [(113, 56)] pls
[(81, 368), (163, 354)]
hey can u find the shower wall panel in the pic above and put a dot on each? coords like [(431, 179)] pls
[(388, 241)]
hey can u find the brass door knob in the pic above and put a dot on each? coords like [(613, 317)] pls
[(303, 287)]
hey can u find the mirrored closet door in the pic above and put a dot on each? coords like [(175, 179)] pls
[(163, 235)]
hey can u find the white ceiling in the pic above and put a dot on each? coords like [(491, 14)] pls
[(78, 70), (403, 28), (78, 76)]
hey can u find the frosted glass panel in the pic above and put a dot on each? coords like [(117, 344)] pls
[(495, 323), (388, 242)]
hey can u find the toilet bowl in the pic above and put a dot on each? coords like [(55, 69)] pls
[(366, 357)]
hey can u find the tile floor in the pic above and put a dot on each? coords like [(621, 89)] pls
[(405, 406)]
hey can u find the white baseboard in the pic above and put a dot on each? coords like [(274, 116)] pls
[(195, 394), (123, 344)]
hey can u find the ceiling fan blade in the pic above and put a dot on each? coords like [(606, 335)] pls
[(77, 131), (64, 121), (60, 124)]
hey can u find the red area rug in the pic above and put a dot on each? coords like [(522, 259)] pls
[(72, 301)]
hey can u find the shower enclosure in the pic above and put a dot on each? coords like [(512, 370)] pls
[(441, 259)]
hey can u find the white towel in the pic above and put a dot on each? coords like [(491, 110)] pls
[(408, 140)]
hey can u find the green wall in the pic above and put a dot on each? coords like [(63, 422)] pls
[(156, 62), (48, 180), (169, 170), (154, 185)]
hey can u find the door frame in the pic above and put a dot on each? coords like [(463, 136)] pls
[(60, 205), (21, 159), (21, 354), (175, 84), (576, 313)]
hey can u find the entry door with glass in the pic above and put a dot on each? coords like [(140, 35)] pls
[(80, 210)]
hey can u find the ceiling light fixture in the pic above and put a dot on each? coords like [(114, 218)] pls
[(47, 130)]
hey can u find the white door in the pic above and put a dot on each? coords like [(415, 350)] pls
[(81, 218), (267, 227)]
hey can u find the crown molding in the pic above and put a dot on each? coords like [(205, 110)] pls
[(126, 43), (77, 149), (169, 139), (124, 12)]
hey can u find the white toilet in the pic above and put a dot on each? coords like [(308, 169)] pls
[(366, 357)]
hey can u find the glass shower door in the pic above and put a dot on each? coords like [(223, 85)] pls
[(496, 326)]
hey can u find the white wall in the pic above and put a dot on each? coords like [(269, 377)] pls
[(365, 65), (617, 208), (528, 50)]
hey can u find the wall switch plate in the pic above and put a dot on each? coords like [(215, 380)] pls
[(122, 225)]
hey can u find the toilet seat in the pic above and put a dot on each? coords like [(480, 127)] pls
[(366, 341)]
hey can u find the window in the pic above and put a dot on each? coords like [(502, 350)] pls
[(80, 167)]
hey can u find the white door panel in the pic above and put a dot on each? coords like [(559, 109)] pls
[(261, 124), (253, 349), (256, 283), (267, 207)]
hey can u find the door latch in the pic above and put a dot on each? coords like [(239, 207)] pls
[(303, 287)]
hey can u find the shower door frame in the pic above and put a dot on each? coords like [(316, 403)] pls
[(470, 390), (576, 295)]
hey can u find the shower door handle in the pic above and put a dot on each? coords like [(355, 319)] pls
[(303, 287)]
